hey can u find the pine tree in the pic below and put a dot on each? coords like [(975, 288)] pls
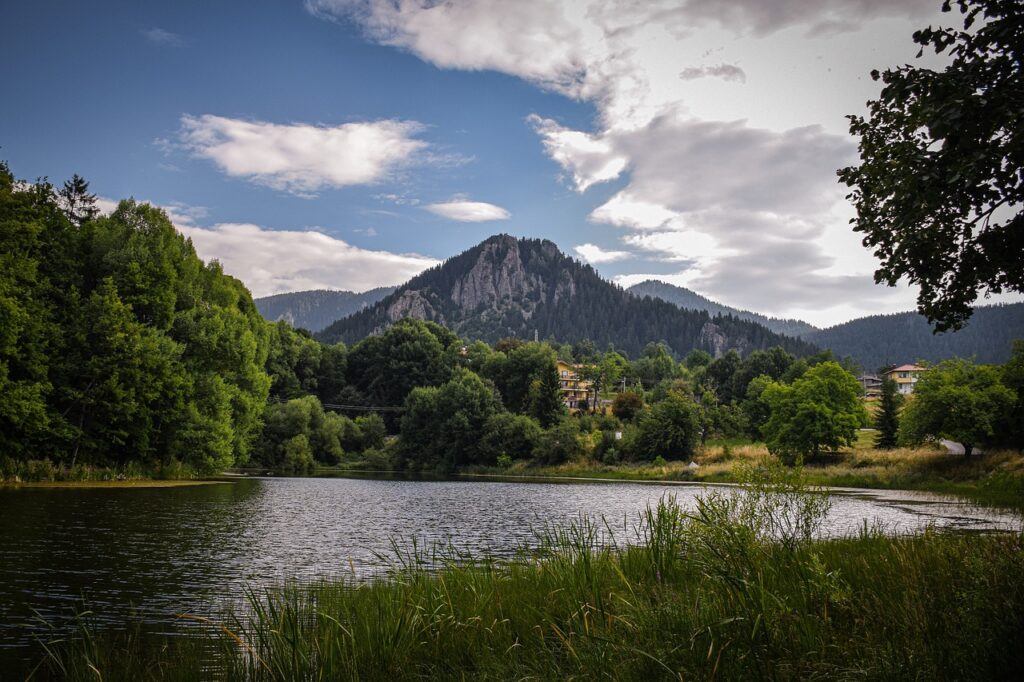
[(888, 421), (546, 397), (78, 203)]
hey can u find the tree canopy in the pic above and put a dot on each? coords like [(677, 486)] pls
[(941, 181), (960, 401), (820, 411)]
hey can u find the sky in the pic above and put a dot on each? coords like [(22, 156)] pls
[(349, 144)]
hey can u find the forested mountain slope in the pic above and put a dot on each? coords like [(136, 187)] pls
[(877, 340), (518, 287), (314, 310), (907, 337), (690, 300)]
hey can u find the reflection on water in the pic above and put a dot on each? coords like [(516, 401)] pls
[(151, 553)]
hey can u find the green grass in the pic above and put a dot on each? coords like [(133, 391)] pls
[(737, 589)]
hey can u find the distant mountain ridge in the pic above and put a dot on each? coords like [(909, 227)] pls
[(878, 340), (898, 338), (690, 300), (316, 309), (520, 287)]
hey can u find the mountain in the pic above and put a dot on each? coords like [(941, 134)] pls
[(520, 287), (689, 300), (907, 337), (314, 310), (877, 340)]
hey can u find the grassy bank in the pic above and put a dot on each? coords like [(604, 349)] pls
[(995, 478), (734, 590), (44, 472)]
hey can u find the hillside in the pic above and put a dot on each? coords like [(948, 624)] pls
[(907, 337), (690, 300), (314, 310), (518, 287), (877, 340)]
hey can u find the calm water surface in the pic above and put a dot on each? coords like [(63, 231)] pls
[(151, 553)]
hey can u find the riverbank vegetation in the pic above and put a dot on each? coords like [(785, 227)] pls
[(738, 587)]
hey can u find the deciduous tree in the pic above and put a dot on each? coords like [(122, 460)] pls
[(940, 186)]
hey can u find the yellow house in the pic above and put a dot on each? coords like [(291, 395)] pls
[(905, 377), (574, 389)]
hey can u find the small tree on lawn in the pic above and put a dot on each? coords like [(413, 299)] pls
[(958, 401), (888, 420)]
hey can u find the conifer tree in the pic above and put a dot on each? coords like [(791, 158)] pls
[(888, 421)]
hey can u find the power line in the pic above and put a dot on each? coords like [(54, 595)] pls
[(355, 408)]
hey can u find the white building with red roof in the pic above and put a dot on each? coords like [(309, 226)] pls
[(905, 377)]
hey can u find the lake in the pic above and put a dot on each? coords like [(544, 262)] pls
[(152, 553)]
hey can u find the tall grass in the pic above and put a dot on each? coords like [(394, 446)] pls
[(738, 588)]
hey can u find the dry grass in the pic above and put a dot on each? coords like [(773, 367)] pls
[(995, 478)]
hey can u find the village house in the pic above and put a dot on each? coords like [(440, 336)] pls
[(575, 390), (905, 377), (872, 385)]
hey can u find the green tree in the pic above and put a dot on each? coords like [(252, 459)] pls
[(669, 429), (386, 368), (959, 401), (756, 409), (76, 200), (371, 430), (560, 443), (515, 435), (546, 404), (940, 185), (627, 405), (888, 419), (515, 371), (1013, 379), (441, 425), (27, 333), (821, 411)]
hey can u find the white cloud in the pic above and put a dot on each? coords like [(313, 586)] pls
[(272, 261), (589, 158), (302, 158), (595, 255), (163, 37), (625, 210), (466, 211)]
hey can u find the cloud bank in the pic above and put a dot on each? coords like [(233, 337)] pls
[(270, 261)]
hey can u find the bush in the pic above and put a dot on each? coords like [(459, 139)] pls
[(559, 444), (627, 405), (505, 433), (669, 429)]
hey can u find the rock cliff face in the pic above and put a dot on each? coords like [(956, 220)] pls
[(410, 304), (718, 343)]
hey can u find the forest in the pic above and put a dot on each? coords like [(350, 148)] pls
[(121, 350)]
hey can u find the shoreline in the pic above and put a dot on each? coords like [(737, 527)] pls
[(137, 483)]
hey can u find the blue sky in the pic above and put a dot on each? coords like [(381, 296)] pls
[(350, 143)]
